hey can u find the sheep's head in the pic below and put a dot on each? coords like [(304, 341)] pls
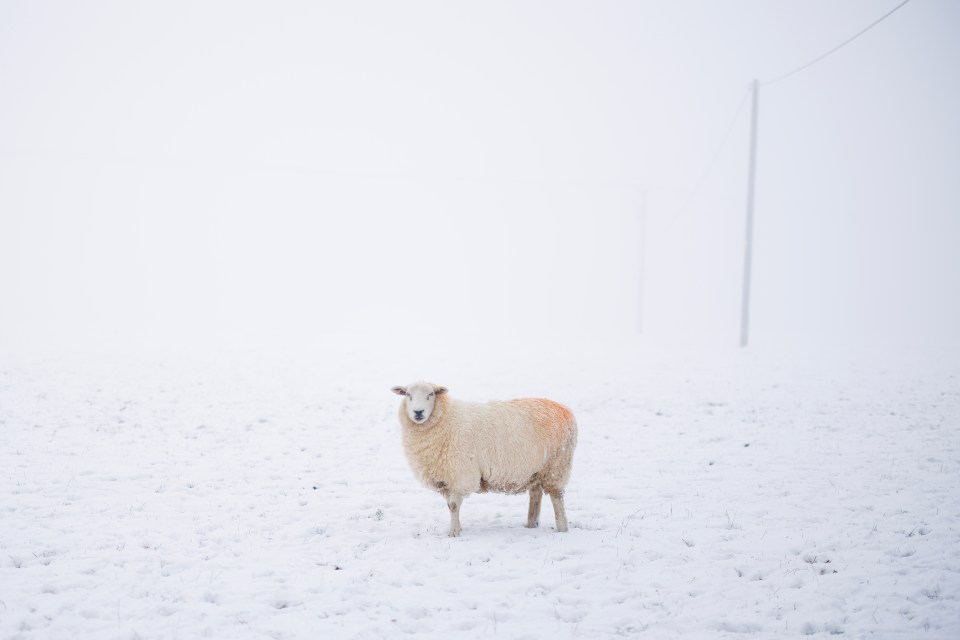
[(419, 399)]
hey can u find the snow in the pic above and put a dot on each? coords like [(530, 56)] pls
[(263, 496)]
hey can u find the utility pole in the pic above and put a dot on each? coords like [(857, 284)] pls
[(748, 247), (643, 257)]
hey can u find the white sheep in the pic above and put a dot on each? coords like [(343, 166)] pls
[(457, 448)]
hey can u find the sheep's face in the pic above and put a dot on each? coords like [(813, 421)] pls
[(419, 399)]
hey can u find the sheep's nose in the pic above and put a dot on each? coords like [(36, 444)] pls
[(418, 413)]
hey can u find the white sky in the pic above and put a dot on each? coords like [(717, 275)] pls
[(231, 173)]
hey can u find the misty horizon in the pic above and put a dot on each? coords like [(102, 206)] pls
[(222, 173)]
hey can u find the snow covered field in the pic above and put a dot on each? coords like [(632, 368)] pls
[(268, 497)]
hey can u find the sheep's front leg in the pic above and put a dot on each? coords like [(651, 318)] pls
[(557, 498), (453, 503), (533, 513)]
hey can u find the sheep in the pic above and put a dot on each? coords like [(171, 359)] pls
[(457, 448)]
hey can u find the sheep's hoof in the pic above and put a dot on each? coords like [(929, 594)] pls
[(532, 525), (454, 533)]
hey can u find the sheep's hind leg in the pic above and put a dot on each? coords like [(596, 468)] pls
[(453, 503), (533, 514), (556, 496)]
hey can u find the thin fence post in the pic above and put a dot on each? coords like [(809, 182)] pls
[(748, 246)]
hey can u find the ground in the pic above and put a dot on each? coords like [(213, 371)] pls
[(263, 496)]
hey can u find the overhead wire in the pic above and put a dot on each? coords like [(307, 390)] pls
[(716, 155), (786, 75)]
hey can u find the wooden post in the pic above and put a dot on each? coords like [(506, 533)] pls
[(643, 258), (748, 248)]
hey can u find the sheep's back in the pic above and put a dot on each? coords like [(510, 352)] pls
[(552, 422), (516, 441)]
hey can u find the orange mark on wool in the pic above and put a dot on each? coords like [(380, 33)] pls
[(552, 418)]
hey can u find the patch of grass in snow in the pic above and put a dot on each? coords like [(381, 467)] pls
[(740, 627), (932, 594), (810, 629), (626, 522), (631, 629)]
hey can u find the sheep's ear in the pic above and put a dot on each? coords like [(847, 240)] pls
[(400, 391), (439, 390)]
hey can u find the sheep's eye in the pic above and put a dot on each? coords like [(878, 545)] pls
[(429, 396)]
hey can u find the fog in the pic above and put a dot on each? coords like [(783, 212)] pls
[(233, 174)]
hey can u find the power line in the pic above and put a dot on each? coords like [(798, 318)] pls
[(716, 156), (748, 249), (743, 100), (836, 48)]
